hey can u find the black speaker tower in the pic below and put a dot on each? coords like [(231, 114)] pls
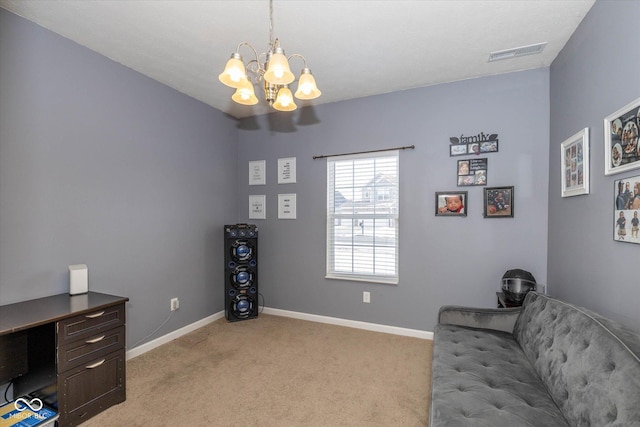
[(240, 272)]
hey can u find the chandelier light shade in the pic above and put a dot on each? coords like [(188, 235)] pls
[(278, 71), (274, 72), (245, 94), (307, 88), (233, 72), (284, 100)]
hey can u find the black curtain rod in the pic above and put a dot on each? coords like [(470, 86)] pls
[(406, 147)]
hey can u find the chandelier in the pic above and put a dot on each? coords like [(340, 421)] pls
[(270, 68)]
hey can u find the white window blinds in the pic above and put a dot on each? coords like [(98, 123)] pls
[(362, 217)]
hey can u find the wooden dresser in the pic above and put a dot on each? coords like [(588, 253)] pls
[(75, 351)]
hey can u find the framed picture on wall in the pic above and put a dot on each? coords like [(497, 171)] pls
[(621, 147), (575, 164), (257, 172), (286, 206), (626, 218), (451, 203), (257, 207), (287, 170), (498, 202), (472, 172)]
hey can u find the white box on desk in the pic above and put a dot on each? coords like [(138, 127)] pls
[(78, 279)]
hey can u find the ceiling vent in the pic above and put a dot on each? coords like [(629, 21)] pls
[(518, 51)]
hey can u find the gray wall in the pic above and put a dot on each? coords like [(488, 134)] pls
[(442, 260), (103, 166), (594, 75)]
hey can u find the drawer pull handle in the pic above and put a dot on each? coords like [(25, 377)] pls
[(95, 340), (93, 316), (95, 365)]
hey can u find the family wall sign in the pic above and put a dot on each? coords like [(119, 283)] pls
[(476, 144)]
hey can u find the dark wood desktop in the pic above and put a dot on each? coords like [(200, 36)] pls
[(69, 351)]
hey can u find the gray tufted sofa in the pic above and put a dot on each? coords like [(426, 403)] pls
[(547, 363)]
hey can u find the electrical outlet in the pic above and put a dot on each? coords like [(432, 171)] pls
[(175, 304), (366, 297)]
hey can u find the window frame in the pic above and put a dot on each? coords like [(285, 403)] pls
[(334, 219)]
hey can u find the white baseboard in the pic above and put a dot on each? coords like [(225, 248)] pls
[(415, 333), (137, 351)]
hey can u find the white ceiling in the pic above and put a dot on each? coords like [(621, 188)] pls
[(355, 48)]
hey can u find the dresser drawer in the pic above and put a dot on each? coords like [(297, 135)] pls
[(89, 389), (92, 347), (85, 325)]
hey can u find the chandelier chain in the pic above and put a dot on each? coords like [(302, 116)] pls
[(271, 23)]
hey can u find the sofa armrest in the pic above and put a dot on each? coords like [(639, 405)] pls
[(499, 319)]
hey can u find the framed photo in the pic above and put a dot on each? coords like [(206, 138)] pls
[(257, 172), (451, 203), (257, 207), (626, 218), (472, 172), (287, 170), (458, 150), (476, 144), (575, 164), (621, 147), (286, 206), (498, 202)]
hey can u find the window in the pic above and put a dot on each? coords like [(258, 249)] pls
[(362, 217)]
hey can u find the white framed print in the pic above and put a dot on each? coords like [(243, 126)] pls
[(257, 172), (287, 170), (286, 206), (257, 207), (575, 164), (621, 139)]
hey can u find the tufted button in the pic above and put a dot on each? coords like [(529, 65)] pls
[(564, 357)]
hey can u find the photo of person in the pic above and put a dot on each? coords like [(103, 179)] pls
[(579, 152), (463, 167), (634, 201), (620, 202), (626, 205), (621, 223), (465, 180), (623, 142), (472, 172), (498, 202), (488, 147), (452, 203), (458, 150), (575, 164), (481, 178)]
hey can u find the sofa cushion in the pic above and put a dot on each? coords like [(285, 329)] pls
[(482, 378), (590, 365)]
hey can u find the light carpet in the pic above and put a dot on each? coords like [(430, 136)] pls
[(277, 371)]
